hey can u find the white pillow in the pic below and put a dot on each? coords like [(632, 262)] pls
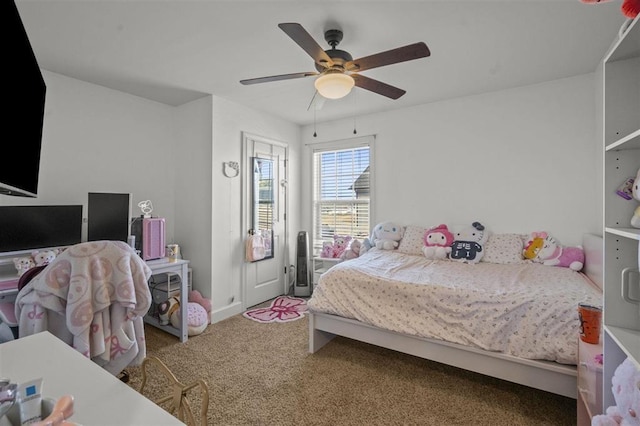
[(504, 249), (412, 241)]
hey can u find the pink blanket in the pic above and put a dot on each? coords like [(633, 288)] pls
[(94, 296)]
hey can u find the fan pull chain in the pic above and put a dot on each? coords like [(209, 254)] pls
[(314, 123), (355, 99)]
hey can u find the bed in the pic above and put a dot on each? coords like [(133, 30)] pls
[(516, 322)]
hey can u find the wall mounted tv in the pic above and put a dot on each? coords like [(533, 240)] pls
[(25, 98), (37, 227)]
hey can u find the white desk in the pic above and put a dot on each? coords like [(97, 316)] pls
[(180, 267), (99, 397)]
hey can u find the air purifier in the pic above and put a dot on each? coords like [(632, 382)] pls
[(302, 285)]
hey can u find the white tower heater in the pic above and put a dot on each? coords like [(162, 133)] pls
[(302, 286)]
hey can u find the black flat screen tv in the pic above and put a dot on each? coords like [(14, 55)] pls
[(108, 216), (38, 227), (25, 99)]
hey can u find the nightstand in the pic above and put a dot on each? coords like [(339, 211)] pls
[(322, 265)]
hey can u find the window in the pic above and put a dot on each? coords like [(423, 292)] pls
[(341, 192)]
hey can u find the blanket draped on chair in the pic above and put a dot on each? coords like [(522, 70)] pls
[(93, 296)]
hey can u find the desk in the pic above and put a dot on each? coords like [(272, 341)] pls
[(99, 397), (181, 268)]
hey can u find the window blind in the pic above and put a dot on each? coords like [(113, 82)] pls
[(341, 193)]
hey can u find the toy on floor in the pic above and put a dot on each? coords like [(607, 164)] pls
[(468, 243), (543, 248), (625, 385), (198, 309), (437, 242)]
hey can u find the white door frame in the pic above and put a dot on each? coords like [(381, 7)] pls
[(247, 154)]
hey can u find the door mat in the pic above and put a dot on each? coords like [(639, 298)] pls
[(282, 309)]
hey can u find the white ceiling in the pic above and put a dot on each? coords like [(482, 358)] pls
[(177, 51)]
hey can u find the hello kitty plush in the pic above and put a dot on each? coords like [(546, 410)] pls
[(543, 248), (468, 243), (437, 242)]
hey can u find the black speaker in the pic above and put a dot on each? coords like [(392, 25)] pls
[(303, 282)]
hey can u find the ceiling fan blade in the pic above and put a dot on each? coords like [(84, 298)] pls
[(393, 56), (317, 101), (277, 77), (378, 87), (308, 44)]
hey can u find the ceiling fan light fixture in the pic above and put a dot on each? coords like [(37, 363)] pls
[(334, 85)]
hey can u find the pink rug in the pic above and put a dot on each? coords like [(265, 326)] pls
[(282, 309)]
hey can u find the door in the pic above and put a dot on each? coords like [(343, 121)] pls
[(264, 212)]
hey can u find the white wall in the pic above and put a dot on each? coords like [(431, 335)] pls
[(100, 140), (518, 160), (229, 121)]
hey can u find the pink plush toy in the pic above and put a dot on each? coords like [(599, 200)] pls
[(353, 251), (196, 297), (625, 385), (437, 242), (340, 244), (327, 250), (543, 248)]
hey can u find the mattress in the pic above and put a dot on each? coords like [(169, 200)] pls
[(525, 310)]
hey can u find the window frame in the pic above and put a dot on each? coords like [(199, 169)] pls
[(343, 144)]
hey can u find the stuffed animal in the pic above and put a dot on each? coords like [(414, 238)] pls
[(625, 386), (635, 191), (340, 244), (437, 242), (353, 251), (23, 264), (629, 8), (543, 248), (197, 315), (43, 257), (386, 235), (468, 243), (327, 250)]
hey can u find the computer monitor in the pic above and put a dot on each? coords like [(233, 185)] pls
[(109, 216)]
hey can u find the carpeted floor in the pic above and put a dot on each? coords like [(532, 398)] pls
[(262, 374)]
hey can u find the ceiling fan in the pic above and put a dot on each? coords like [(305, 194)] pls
[(337, 71)]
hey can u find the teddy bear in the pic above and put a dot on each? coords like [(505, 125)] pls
[(353, 251), (386, 235), (437, 242), (23, 264), (43, 257), (543, 248), (468, 243), (340, 244), (625, 386), (635, 192)]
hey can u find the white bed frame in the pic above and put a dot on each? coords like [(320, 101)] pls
[(545, 375)]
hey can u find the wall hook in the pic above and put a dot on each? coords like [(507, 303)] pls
[(231, 169)]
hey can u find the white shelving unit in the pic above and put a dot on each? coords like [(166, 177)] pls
[(620, 73)]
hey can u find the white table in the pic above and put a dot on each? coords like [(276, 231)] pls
[(179, 267), (99, 397)]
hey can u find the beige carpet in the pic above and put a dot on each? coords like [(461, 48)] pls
[(262, 374)]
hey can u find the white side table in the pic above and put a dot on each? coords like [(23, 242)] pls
[(321, 265), (181, 268)]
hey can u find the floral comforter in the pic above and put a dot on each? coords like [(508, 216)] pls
[(524, 310)]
